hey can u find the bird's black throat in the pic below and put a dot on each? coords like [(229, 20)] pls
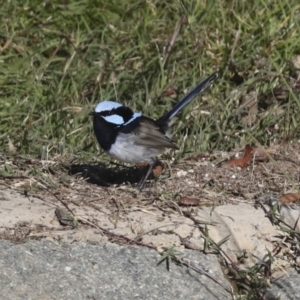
[(105, 132)]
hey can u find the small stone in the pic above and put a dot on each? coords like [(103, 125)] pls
[(68, 269), (181, 173)]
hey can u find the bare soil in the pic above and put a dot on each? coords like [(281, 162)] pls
[(67, 202)]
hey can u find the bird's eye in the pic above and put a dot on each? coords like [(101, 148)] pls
[(107, 113)]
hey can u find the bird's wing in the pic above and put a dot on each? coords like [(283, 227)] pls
[(148, 134)]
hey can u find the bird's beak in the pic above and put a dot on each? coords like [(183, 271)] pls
[(92, 113)]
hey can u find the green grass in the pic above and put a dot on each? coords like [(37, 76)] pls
[(59, 58)]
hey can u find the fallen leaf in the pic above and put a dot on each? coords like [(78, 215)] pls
[(249, 154), (158, 168), (169, 92), (187, 201), (242, 162), (290, 198)]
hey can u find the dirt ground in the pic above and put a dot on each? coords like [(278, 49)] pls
[(204, 196)]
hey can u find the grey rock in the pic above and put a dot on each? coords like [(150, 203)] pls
[(44, 270), (287, 288)]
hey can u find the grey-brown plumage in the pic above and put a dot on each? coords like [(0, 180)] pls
[(149, 135)]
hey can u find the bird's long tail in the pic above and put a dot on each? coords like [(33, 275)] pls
[(206, 83)]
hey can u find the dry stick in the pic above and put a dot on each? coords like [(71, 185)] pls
[(296, 223), (84, 220), (171, 42), (174, 203), (26, 194), (237, 37), (131, 241), (62, 202), (275, 157)]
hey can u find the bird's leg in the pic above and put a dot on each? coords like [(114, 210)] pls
[(142, 182)]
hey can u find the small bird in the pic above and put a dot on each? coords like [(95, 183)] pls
[(134, 138)]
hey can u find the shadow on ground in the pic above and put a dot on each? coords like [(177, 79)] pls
[(104, 175)]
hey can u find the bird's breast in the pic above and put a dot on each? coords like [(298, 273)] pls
[(125, 149)]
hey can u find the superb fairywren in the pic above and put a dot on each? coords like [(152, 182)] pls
[(134, 138)]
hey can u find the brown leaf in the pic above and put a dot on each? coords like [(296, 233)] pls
[(169, 92), (242, 162), (187, 201), (158, 168), (290, 198), (249, 154)]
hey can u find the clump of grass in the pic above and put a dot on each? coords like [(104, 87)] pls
[(249, 283)]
